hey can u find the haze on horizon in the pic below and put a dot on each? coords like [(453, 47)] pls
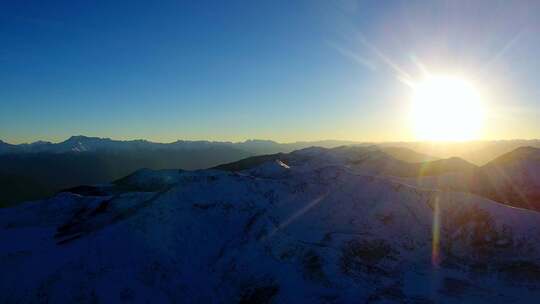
[(278, 70)]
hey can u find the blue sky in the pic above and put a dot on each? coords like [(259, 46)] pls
[(233, 70)]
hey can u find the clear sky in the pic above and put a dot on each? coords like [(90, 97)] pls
[(281, 70)]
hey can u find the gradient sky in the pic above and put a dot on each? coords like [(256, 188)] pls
[(281, 70)]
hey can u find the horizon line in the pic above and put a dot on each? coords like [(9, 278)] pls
[(269, 140)]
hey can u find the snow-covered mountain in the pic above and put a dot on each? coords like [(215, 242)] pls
[(407, 155), (371, 160), (312, 226), (97, 144)]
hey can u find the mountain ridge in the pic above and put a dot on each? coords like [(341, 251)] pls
[(477, 152), (512, 179), (82, 160)]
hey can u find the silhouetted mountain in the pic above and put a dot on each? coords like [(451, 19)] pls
[(407, 155), (519, 155), (512, 179), (441, 166), (477, 152)]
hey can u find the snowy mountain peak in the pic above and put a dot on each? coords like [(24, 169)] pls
[(82, 138)]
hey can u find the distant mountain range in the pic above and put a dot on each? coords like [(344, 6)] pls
[(341, 225), (477, 152), (96, 144)]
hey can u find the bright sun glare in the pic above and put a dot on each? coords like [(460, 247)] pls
[(446, 108)]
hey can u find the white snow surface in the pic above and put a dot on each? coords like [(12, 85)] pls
[(319, 233)]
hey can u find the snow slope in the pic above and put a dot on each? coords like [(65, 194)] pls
[(315, 232)]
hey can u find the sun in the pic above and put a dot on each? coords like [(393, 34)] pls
[(446, 108)]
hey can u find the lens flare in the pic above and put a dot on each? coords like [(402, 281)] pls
[(436, 231)]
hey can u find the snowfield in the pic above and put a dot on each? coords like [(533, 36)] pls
[(309, 227)]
